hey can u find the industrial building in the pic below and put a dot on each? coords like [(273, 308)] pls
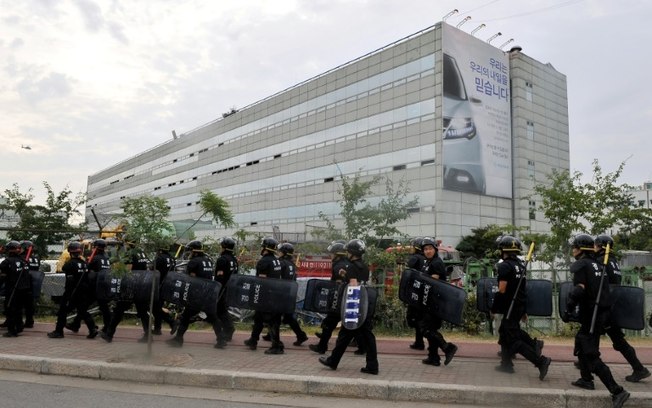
[(471, 127)]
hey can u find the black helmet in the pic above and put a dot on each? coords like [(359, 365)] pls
[(13, 247), (425, 241), (75, 247), (508, 243), (286, 248), (337, 247), (228, 243), (583, 242), (416, 243), (603, 240), (99, 243), (26, 244), (356, 247), (194, 246), (269, 243)]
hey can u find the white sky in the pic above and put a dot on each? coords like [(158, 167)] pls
[(88, 83)]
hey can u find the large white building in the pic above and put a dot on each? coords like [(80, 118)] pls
[(471, 127)]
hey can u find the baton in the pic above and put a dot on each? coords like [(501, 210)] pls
[(597, 298), (520, 281), (90, 258)]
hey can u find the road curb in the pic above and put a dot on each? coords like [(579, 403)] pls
[(318, 386)]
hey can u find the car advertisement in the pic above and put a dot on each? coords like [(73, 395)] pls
[(477, 155)]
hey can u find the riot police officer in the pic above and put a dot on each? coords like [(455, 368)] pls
[(289, 272), (163, 263), (200, 266), (591, 290), (268, 267), (615, 333), (357, 274), (225, 266), (36, 280), (429, 324), (339, 265), (136, 261), (413, 313), (512, 295), (98, 261), (14, 270), (76, 294)]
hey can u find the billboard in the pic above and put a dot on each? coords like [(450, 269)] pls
[(477, 151)]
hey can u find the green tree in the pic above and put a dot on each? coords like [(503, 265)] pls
[(44, 224), (481, 243), (145, 220), (217, 207)]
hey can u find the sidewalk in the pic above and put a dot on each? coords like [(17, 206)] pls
[(469, 379)]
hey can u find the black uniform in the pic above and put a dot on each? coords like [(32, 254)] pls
[(587, 272), (512, 338), (429, 324), (289, 272), (615, 333), (359, 271), (139, 262), (15, 273), (77, 296), (200, 266), (269, 267), (413, 313), (225, 266), (98, 262), (36, 281), (163, 263), (339, 269)]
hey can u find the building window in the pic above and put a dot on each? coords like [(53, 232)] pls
[(399, 167), (641, 203), (530, 130), (530, 168), (528, 92), (532, 209)]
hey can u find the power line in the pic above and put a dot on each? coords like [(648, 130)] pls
[(541, 10)]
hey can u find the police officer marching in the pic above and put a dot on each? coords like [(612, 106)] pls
[(36, 278), (413, 313), (616, 333), (76, 293), (163, 263), (226, 265), (428, 323), (268, 267), (200, 266), (591, 294), (356, 274), (14, 271), (339, 265), (510, 301), (289, 272)]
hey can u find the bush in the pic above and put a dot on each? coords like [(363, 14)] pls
[(390, 314)]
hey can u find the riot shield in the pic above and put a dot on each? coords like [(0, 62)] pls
[(133, 286), (322, 296), (355, 304), (485, 293), (564, 290), (628, 310), (438, 297), (539, 297), (262, 294), (37, 282), (191, 292)]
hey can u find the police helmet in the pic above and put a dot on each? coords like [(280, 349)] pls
[(425, 241), (26, 244), (269, 243), (508, 243), (416, 243), (99, 243), (286, 248), (583, 242), (603, 240), (356, 247), (13, 247), (228, 243), (194, 246), (337, 247), (75, 247)]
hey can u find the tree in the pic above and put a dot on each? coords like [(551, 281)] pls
[(481, 243), (215, 205), (364, 220), (145, 220), (44, 224)]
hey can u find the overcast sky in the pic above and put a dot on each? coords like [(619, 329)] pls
[(88, 83)]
